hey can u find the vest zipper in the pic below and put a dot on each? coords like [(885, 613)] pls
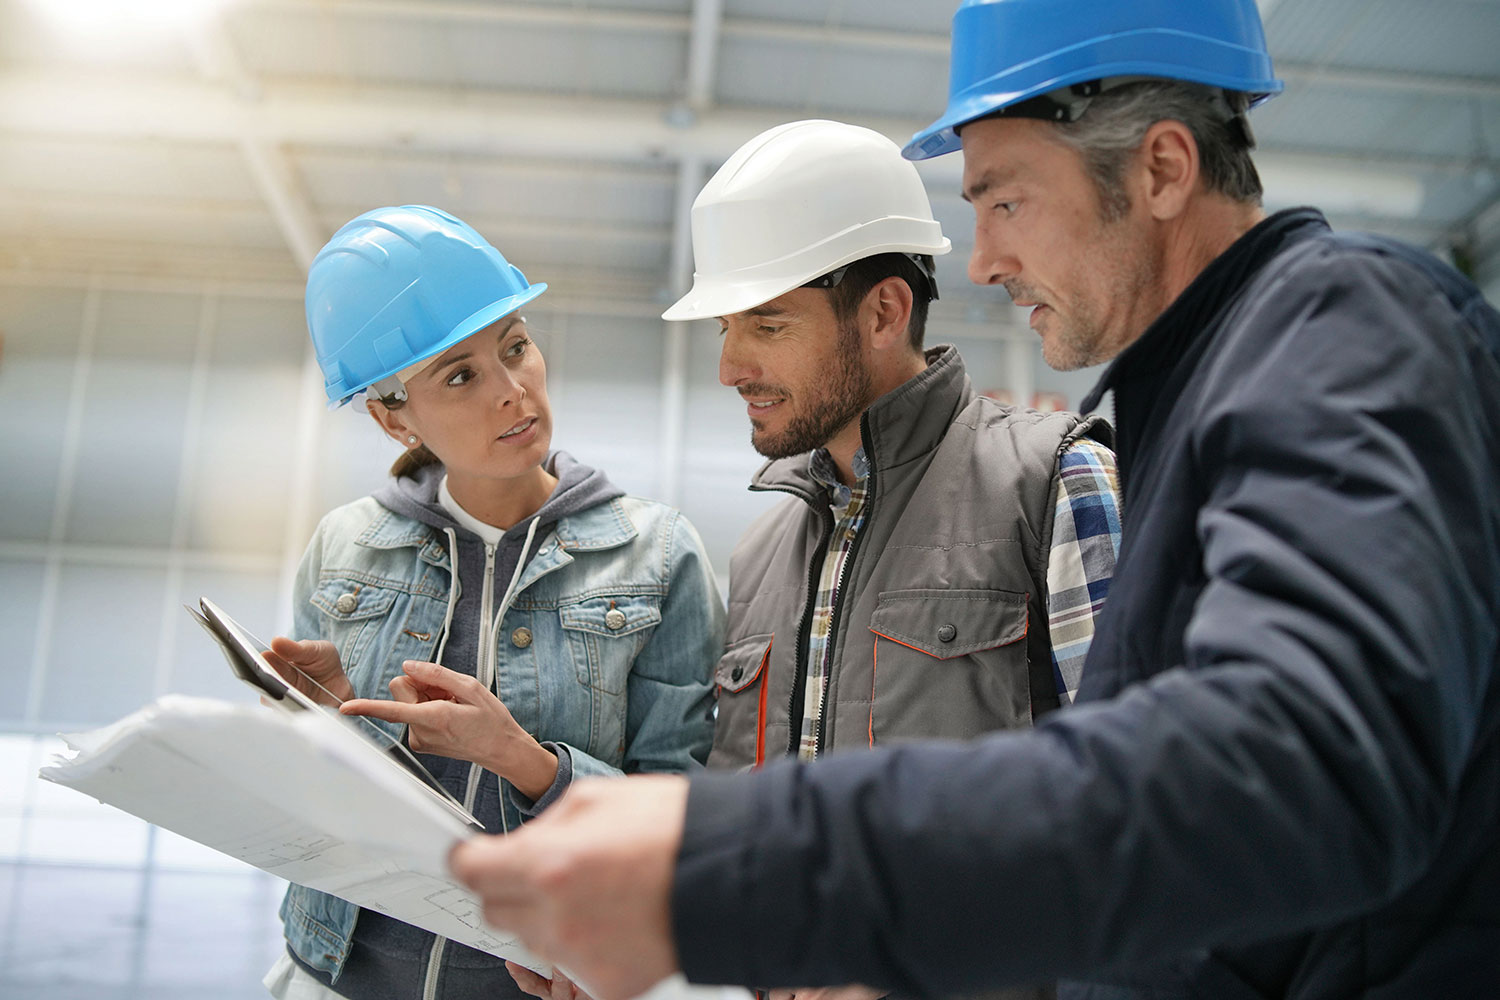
[(795, 708), (800, 688)]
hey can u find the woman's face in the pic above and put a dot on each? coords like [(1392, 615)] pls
[(481, 406)]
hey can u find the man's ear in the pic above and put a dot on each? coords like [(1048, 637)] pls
[(389, 420), (1168, 168), (888, 308)]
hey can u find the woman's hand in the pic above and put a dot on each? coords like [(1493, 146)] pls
[(317, 659), (453, 715), (559, 987)]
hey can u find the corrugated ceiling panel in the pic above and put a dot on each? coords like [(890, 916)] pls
[(1341, 119), (518, 189), (319, 44), (149, 169), (1451, 37), (927, 16), (831, 78)]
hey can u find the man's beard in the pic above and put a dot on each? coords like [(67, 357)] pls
[(845, 396)]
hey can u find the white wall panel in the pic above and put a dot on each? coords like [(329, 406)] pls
[(129, 456), (20, 599), (194, 664), (104, 643), (41, 327), (608, 411), (33, 407)]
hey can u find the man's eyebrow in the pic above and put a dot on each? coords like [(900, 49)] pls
[(763, 310), (985, 181)]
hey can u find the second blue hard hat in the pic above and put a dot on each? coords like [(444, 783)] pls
[(396, 286), (1008, 51)]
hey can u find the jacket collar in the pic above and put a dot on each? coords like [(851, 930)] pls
[(906, 423), (603, 526), (1191, 314)]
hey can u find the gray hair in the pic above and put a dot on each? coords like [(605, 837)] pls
[(1116, 121)]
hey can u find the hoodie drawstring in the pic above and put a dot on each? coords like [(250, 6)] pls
[(452, 595)]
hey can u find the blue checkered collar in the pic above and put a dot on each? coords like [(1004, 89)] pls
[(821, 467)]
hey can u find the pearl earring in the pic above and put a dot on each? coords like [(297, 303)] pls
[(411, 439)]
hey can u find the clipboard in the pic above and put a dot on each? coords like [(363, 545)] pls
[(246, 656)]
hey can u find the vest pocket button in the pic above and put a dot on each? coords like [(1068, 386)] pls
[(346, 603), (947, 633), (614, 619)]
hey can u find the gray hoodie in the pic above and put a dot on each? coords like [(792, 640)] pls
[(390, 959)]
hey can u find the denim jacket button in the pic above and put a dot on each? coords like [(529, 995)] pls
[(521, 637), (614, 619), (346, 603), (947, 633)]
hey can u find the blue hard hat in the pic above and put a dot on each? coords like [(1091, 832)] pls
[(399, 285), (1009, 51)]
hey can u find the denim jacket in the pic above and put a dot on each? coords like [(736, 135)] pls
[(611, 697)]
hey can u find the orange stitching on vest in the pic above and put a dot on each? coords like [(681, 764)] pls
[(760, 718)]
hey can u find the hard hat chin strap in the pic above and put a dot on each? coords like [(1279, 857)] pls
[(924, 263), (389, 388)]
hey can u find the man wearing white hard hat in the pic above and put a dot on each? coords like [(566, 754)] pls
[(935, 568)]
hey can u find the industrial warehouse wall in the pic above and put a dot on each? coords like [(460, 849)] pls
[(163, 442)]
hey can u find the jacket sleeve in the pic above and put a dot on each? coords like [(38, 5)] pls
[(1296, 770), (669, 694)]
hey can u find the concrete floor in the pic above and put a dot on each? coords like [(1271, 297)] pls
[(74, 932)]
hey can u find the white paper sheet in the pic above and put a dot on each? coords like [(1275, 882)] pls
[(303, 796), (298, 795)]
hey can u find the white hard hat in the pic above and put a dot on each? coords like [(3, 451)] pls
[(796, 202)]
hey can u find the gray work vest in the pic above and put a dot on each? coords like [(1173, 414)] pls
[(940, 629)]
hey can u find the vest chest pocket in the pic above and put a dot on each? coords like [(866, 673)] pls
[(605, 634), (740, 680), (949, 663)]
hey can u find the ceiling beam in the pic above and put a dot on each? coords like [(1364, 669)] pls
[(492, 12), (703, 53), (794, 32), (689, 182), (422, 121), (275, 176)]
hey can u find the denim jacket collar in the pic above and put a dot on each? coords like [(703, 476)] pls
[(605, 526)]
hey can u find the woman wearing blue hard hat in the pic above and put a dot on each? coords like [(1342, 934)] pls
[(524, 619)]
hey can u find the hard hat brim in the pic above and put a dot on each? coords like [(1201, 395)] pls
[(711, 297), (465, 329)]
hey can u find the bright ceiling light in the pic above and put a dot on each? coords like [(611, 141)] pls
[(130, 17)]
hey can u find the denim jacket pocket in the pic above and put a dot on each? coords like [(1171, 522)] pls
[(606, 634), (353, 612), (345, 599), (375, 628)]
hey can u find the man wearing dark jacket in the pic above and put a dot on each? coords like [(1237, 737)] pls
[(1283, 776)]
